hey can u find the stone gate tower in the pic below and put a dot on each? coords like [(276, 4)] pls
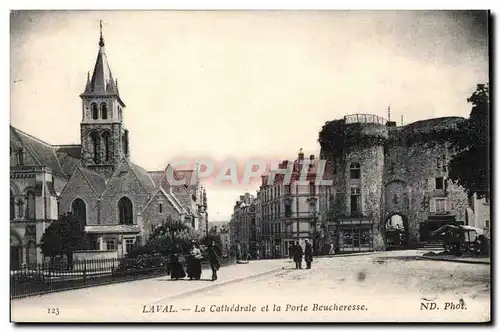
[(104, 139), (363, 159)]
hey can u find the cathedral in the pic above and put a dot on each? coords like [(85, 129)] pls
[(118, 201)]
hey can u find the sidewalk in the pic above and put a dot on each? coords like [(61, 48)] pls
[(451, 258), (146, 290)]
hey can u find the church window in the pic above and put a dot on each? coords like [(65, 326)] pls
[(20, 157), (96, 147), (125, 211), (95, 112), (125, 142), (79, 210), (12, 206), (107, 146), (161, 208), (355, 171), (30, 206), (104, 111)]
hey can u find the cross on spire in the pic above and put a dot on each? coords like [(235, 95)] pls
[(101, 40)]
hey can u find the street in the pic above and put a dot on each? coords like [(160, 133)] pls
[(386, 286)]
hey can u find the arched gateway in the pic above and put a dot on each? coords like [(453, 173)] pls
[(396, 231)]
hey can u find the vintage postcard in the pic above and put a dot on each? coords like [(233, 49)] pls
[(250, 166)]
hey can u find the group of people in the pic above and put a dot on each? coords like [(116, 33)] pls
[(296, 253), (193, 260)]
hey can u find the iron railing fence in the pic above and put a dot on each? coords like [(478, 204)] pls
[(36, 279)]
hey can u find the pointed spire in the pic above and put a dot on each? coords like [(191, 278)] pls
[(102, 81), (101, 40)]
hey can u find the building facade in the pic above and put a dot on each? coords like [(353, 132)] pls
[(289, 208), (382, 172), (242, 226), (284, 211), (118, 201)]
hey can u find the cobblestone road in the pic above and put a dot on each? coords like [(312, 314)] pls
[(389, 286)]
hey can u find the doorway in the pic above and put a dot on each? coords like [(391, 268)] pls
[(396, 232)]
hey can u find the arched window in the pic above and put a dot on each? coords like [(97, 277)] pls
[(125, 211), (12, 206), (120, 114), (107, 146), (95, 111), (355, 170), (125, 142), (30, 206), (104, 111), (96, 147), (79, 210)]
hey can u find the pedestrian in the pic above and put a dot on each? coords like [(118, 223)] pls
[(331, 251), (290, 251), (194, 263), (308, 255), (214, 257), (297, 255), (176, 269)]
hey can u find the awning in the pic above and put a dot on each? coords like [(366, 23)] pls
[(100, 229)]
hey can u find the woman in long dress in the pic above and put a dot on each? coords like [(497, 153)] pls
[(194, 263), (176, 269)]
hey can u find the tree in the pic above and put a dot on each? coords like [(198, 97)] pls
[(63, 237), (164, 236), (470, 166)]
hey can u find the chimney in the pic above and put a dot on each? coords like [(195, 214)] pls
[(301, 154)]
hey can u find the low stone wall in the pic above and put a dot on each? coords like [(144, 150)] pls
[(95, 261), (94, 254)]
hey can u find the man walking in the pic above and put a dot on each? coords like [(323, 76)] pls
[(290, 251), (297, 255), (308, 255), (214, 257)]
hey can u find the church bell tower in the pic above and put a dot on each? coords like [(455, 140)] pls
[(104, 139)]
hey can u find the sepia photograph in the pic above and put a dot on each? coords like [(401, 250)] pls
[(250, 166)]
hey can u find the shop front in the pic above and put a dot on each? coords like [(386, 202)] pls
[(355, 235)]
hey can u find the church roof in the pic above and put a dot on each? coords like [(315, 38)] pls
[(42, 152), (68, 156), (143, 177), (96, 180), (102, 82)]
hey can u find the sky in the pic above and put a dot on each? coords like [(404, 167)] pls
[(240, 85)]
